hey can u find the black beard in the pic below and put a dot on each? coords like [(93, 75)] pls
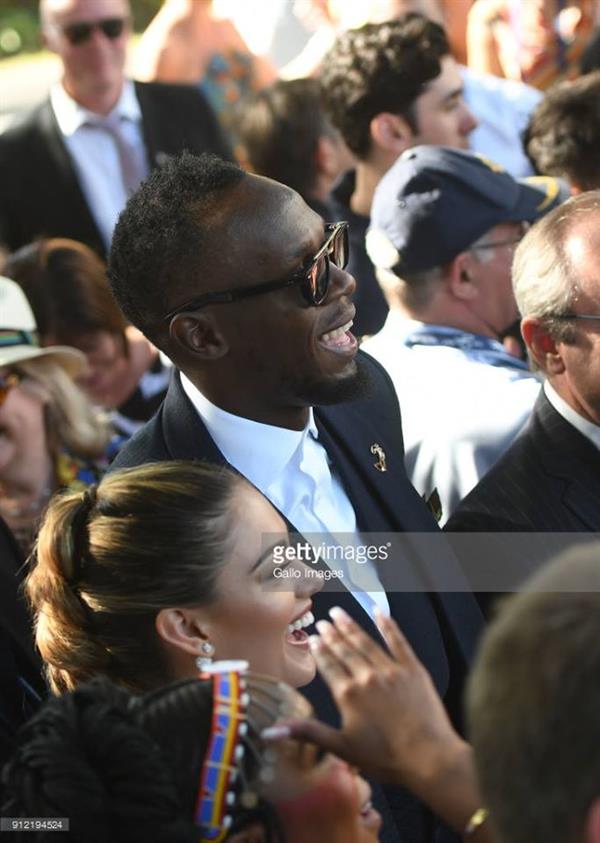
[(351, 387)]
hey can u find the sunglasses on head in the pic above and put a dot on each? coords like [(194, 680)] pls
[(79, 33), (312, 278), (7, 382)]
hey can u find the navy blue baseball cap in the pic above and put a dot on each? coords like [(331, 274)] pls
[(435, 202)]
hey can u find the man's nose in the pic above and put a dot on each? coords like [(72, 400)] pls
[(341, 283), (469, 121)]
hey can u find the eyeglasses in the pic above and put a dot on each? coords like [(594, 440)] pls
[(312, 278), (81, 32), (7, 382), (583, 316)]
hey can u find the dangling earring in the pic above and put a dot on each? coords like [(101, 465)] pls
[(205, 659)]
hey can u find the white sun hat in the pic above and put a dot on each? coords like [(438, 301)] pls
[(18, 333)]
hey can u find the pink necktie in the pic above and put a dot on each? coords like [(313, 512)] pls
[(132, 166)]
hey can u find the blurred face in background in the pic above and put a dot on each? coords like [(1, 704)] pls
[(22, 422), (93, 59), (107, 364), (442, 115)]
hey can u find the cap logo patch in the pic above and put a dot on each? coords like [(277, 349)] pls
[(491, 165), (550, 185)]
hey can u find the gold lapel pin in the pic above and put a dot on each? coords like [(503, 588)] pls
[(378, 452)]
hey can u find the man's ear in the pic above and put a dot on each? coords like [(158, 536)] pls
[(542, 346), (182, 628), (391, 133), (460, 277), (198, 335), (592, 823)]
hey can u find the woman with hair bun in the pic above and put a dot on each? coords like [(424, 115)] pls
[(161, 566), (185, 764)]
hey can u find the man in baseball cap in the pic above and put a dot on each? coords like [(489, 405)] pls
[(444, 226)]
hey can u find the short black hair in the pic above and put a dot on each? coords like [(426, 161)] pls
[(280, 128), (563, 135), (380, 67), (161, 238)]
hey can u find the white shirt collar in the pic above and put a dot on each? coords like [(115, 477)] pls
[(70, 116), (587, 428), (272, 447)]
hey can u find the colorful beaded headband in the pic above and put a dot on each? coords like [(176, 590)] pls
[(224, 753)]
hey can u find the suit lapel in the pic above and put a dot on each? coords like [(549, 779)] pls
[(573, 460), (185, 435), (387, 502)]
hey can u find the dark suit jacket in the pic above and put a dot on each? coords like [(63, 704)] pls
[(546, 487), (40, 193), (442, 627), (547, 481), (21, 683)]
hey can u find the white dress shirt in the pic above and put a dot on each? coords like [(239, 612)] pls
[(587, 428), (95, 155), (291, 469)]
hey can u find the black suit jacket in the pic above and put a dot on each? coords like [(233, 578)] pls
[(547, 481), (41, 195), (21, 682), (442, 627), (541, 498)]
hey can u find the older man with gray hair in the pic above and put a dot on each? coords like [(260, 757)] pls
[(549, 479)]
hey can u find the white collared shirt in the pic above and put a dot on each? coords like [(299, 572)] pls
[(587, 428), (291, 469), (95, 155)]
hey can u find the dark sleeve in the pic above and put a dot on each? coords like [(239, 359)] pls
[(177, 118)]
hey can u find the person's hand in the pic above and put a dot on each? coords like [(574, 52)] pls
[(395, 726)]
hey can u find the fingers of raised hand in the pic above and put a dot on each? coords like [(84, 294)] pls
[(331, 668), (343, 648), (395, 640), (356, 638)]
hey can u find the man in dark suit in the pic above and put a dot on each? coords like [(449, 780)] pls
[(67, 168), (245, 289), (549, 479)]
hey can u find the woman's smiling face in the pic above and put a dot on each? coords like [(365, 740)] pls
[(253, 610), (314, 792)]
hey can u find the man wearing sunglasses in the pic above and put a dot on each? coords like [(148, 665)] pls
[(245, 288), (68, 167)]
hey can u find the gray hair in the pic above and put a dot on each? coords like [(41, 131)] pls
[(542, 274), (415, 291)]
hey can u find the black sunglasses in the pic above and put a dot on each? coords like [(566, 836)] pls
[(79, 33), (312, 278)]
